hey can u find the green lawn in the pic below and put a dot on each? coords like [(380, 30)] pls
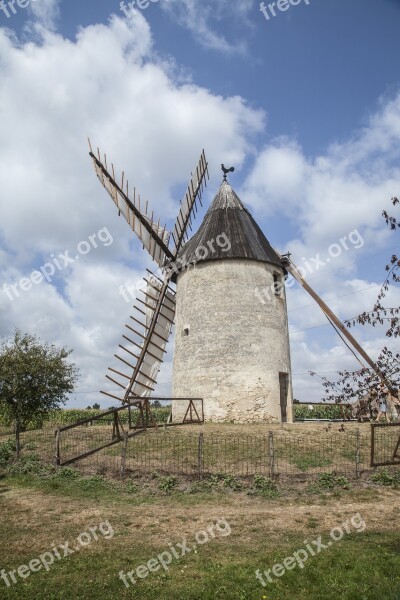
[(38, 510)]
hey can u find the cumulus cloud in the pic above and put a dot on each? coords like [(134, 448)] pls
[(333, 202), (108, 85), (336, 192), (46, 13)]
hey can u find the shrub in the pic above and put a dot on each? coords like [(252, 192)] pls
[(385, 478), (329, 481), (264, 486), (68, 473), (167, 484), (232, 483), (7, 450), (131, 488), (28, 465)]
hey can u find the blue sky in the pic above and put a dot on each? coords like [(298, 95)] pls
[(306, 105)]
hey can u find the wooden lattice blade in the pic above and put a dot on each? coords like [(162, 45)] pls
[(193, 193), (153, 237), (160, 314), (145, 341)]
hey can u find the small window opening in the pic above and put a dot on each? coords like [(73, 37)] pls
[(186, 331)]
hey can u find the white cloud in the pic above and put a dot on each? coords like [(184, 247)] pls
[(207, 20), (332, 194), (107, 84), (325, 199), (45, 12)]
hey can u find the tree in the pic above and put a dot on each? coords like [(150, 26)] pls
[(363, 382), (95, 406), (35, 378), (156, 404)]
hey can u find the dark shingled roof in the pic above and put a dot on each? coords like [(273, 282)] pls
[(227, 215)]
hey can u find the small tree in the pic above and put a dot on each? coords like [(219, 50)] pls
[(35, 378), (364, 382), (95, 406)]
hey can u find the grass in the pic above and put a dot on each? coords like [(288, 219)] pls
[(40, 509), (155, 507), (234, 450), (237, 450), (306, 462)]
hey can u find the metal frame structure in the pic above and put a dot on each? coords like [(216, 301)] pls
[(144, 421)]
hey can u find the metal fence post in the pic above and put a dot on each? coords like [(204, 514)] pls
[(57, 458), (372, 445), (123, 454), (358, 453), (271, 455), (200, 456)]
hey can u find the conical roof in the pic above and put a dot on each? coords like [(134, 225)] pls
[(228, 216)]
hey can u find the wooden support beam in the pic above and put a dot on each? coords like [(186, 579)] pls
[(116, 382), (128, 351), (110, 396), (118, 373), (287, 264)]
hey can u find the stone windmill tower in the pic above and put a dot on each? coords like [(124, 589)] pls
[(232, 349)]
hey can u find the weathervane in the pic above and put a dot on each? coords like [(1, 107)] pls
[(226, 171)]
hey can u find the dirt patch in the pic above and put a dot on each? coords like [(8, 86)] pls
[(164, 521)]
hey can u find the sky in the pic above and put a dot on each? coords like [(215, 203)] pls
[(305, 104)]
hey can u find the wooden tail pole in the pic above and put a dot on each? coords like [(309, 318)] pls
[(289, 266)]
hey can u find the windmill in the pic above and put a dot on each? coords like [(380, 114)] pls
[(229, 350), (150, 327)]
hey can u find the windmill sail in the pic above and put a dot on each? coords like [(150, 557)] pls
[(154, 237), (189, 203), (161, 313), (148, 331), (145, 341)]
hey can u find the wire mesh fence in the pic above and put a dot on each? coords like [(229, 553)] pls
[(273, 454), (198, 451), (37, 441), (385, 444)]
